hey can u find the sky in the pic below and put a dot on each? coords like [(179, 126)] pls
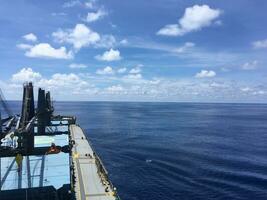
[(158, 50)]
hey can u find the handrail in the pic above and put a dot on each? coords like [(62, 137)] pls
[(101, 168)]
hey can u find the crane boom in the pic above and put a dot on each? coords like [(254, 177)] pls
[(4, 104)]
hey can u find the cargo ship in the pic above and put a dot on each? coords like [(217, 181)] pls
[(48, 157)]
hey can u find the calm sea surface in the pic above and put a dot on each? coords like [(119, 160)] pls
[(169, 151)]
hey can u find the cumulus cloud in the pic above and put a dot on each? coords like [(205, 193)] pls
[(124, 42), (94, 16), (45, 50), (246, 89), (134, 76), (135, 70), (105, 71), (30, 37), (111, 55), (77, 66), (90, 4), (122, 70), (72, 3), (59, 83), (80, 36), (252, 91), (24, 46), (185, 47), (58, 14), (26, 74), (260, 92), (106, 41), (62, 80), (250, 65), (135, 87), (195, 18), (114, 89), (205, 74), (260, 44), (109, 70)]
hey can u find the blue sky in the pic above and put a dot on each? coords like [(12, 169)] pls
[(161, 50)]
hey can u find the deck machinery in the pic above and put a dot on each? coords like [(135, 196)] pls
[(47, 156)]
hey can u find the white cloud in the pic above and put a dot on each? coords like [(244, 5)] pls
[(59, 84), (26, 74), (72, 3), (134, 76), (124, 42), (246, 89), (77, 66), (205, 74), (122, 70), (94, 16), (114, 89), (45, 50), (260, 44), (135, 70), (113, 25), (90, 4), (58, 14), (24, 46), (253, 91), (106, 41), (135, 87), (185, 47), (106, 71), (80, 36), (194, 19), (30, 37), (170, 30), (260, 92), (111, 55), (250, 65), (62, 80)]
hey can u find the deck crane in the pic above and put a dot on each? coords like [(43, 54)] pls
[(8, 121), (23, 126)]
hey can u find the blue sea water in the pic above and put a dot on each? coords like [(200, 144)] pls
[(183, 151)]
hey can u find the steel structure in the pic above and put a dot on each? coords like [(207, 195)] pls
[(43, 156)]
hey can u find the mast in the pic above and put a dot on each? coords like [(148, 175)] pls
[(41, 111), (26, 138)]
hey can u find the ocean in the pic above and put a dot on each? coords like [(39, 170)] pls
[(178, 151)]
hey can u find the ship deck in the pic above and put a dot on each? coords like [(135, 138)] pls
[(91, 180), (37, 171)]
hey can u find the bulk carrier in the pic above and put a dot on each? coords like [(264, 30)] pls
[(48, 157)]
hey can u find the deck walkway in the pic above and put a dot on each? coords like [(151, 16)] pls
[(89, 184)]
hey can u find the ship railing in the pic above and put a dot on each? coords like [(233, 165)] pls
[(103, 173), (101, 170), (70, 119)]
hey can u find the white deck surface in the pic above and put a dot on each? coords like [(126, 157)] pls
[(88, 185)]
